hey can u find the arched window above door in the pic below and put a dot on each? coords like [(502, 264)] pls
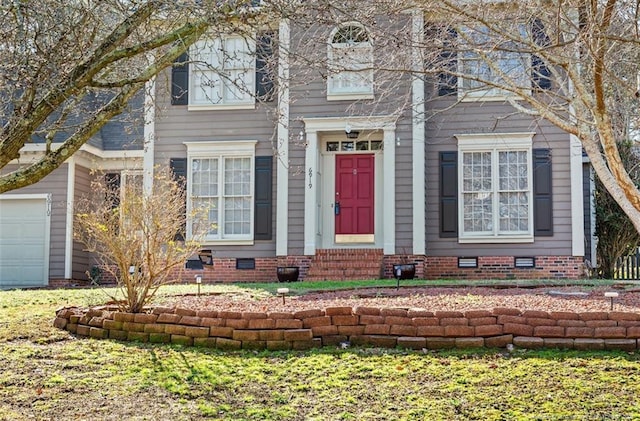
[(350, 59)]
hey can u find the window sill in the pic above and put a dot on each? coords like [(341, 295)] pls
[(496, 240), (480, 97), (211, 107), (349, 96), (207, 243)]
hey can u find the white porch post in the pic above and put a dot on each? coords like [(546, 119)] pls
[(389, 191), (68, 240), (418, 134), (310, 195), (148, 158), (282, 171), (577, 209)]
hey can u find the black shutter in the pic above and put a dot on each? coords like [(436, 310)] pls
[(542, 198), (448, 61), (540, 73), (112, 183), (263, 198), (265, 67), (180, 80), (179, 168), (448, 194)]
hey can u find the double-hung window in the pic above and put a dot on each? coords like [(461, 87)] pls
[(495, 188), (220, 187), (222, 74), (490, 62), (350, 63)]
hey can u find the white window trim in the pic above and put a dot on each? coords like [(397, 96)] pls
[(348, 95), (490, 93), (495, 142), (250, 104), (225, 149)]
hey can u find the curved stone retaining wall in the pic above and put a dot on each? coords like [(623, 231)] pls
[(369, 326)]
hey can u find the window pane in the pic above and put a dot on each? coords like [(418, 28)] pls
[(237, 174), (204, 177), (513, 169), (478, 212), (514, 212), (237, 214), (476, 171), (206, 216)]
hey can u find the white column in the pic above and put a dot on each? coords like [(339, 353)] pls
[(148, 158), (282, 169), (310, 193), (68, 237), (389, 192), (577, 208), (418, 134)]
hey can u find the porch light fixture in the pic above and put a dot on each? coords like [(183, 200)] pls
[(352, 134), (206, 257)]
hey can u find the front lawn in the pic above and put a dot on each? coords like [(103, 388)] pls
[(45, 373)]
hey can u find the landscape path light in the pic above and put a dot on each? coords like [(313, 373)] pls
[(283, 292), (611, 295)]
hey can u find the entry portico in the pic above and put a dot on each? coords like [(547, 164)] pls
[(377, 136)]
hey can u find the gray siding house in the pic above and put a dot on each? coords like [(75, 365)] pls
[(343, 172)]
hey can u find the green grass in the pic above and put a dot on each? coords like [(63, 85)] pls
[(46, 373)]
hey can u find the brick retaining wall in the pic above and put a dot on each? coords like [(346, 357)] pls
[(367, 326)]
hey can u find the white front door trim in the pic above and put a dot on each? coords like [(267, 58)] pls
[(312, 171)]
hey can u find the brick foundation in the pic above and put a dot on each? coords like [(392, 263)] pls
[(367, 326)]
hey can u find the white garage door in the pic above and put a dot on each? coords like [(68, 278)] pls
[(24, 240)]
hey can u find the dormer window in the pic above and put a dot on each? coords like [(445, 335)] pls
[(350, 59)]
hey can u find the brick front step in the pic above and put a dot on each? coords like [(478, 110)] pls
[(346, 264)]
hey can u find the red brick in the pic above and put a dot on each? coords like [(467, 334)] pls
[(571, 323), (209, 321), (345, 320), (430, 331), (454, 321), (163, 310), (477, 314), (169, 318), (601, 323), (371, 320), (541, 322), (489, 330), (549, 331), (248, 315), (399, 312), (307, 314), (383, 341), (368, 311), (505, 311), (338, 311), (316, 321), (279, 315), (288, 324), (398, 320), (221, 332), (448, 314), (145, 318), (324, 330), (262, 324), (579, 332), (535, 314), (271, 335), (190, 320), (298, 334), (237, 323), (458, 331), (567, 315), (212, 314), (230, 314), (593, 315), (425, 321), (482, 321), (633, 332), (402, 330), (518, 329), (620, 315), (246, 335), (123, 317), (504, 319), (498, 341), (380, 329), (185, 312), (610, 332), (418, 312), (351, 330), (623, 323)]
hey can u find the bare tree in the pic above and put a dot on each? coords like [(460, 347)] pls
[(136, 237), (70, 66)]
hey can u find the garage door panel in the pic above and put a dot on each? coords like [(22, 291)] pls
[(24, 241)]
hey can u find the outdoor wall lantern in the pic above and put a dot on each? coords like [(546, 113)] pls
[(206, 257)]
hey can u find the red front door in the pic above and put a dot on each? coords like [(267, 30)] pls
[(354, 194)]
